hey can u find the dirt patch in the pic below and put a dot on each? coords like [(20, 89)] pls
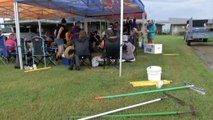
[(205, 53)]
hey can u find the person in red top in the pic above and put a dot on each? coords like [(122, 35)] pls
[(11, 43)]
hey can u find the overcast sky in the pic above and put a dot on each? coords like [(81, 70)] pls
[(164, 9)]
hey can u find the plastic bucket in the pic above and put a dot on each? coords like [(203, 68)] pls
[(66, 61), (154, 73)]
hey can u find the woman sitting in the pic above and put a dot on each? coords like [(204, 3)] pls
[(11, 43), (82, 51), (128, 50)]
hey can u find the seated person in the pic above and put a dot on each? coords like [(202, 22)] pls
[(103, 35), (69, 38), (49, 39), (81, 46), (94, 40), (128, 50), (11, 43)]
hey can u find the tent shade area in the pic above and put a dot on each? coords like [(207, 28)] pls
[(46, 9)]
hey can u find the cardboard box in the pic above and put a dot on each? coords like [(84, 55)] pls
[(153, 48)]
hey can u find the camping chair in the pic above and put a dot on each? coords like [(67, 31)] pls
[(3, 51), (39, 54), (112, 51), (12, 54), (25, 50), (82, 53)]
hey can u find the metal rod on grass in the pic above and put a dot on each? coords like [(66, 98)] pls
[(121, 109), (191, 86), (143, 92)]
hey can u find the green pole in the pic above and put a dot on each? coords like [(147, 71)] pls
[(135, 115), (144, 92), (144, 114)]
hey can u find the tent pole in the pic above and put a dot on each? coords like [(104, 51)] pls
[(143, 29), (16, 15), (100, 28), (86, 24), (39, 27), (121, 37)]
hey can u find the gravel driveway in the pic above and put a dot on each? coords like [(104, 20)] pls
[(205, 52)]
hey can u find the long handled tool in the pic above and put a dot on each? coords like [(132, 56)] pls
[(178, 100), (192, 111), (121, 109), (191, 86)]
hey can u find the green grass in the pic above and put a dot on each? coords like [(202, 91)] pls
[(58, 93)]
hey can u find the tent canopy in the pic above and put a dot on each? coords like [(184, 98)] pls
[(107, 9), (30, 12)]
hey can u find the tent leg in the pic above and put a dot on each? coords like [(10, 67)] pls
[(16, 15), (121, 37), (39, 27), (86, 24)]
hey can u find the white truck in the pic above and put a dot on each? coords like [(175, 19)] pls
[(198, 31), (24, 32)]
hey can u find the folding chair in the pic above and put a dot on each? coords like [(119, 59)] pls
[(82, 53), (3, 51), (39, 54), (112, 51)]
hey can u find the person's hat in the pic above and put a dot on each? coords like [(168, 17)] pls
[(125, 38), (63, 20)]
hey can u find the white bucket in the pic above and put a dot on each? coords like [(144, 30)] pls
[(139, 44), (154, 73)]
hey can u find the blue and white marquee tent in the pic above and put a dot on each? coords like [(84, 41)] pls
[(105, 9)]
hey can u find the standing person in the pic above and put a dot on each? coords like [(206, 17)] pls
[(127, 26), (151, 30), (134, 24), (60, 37), (75, 30)]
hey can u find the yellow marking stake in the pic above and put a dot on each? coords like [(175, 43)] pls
[(148, 83), (170, 54), (45, 68)]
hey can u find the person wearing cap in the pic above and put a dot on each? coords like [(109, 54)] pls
[(60, 37), (151, 30), (128, 50)]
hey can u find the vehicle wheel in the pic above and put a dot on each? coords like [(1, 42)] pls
[(188, 43), (205, 40)]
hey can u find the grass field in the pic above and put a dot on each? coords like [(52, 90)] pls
[(59, 94)]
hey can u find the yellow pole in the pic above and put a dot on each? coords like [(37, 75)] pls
[(170, 54), (45, 68)]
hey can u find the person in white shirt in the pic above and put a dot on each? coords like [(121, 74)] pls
[(128, 50)]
